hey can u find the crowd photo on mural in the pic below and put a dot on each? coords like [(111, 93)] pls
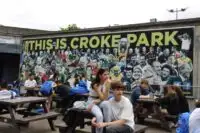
[(162, 56)]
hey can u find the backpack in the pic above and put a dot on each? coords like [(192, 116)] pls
[(80, 89), (183, 123), (46, 88)]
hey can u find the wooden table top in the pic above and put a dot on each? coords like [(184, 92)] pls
[(21, 100), (148, 100)]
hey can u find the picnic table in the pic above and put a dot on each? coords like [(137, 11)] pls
[(33, 91), (80, 117), (64, 103), (150, 108), (27, 116)]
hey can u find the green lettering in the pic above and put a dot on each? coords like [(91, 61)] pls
[(43, 44), (115, 40), (94, 42), (170, 38), (63, 43), (38, 44), (49, 44), (74, 46), (132, 38), (104, 41), (31, 44), (57, 43), (142, 40), (84, 42), (156, 37)]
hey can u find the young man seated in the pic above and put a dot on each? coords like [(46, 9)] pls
[(30, 85), (118, 112), (62, 91), (141, 91), (5, 94), (194, 119)]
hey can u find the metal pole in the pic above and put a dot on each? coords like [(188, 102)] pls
[(176, 13)]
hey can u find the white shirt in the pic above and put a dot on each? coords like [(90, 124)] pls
[(93, 93), (5, 94), (185, 44), (194, 120), (30, 83), (123, 110)]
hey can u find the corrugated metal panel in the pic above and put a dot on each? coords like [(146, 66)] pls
[(196, 63), (11, 48)]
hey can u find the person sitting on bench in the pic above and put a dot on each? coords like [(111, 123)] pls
[(30, 85), (141, 91), (194, 119), (170, 106), (98, 93), (62, 91), (5, 94), (118, 112)]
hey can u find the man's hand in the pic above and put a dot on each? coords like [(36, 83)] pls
[(98, 125), (101, 124), (94, 122)]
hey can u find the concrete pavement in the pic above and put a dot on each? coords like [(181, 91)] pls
[(43, 127)]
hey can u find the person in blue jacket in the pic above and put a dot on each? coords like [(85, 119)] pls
[(141, 91)]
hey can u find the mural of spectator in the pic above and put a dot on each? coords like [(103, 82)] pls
[(137, 75), (126, 56), (127, 79)]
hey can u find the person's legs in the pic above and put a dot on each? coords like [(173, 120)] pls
[(96, 111), (49, 102), (119, 129), (107, 111)]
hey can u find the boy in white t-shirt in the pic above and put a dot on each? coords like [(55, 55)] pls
[(5, 94), (30, 85), (118, 112), (194, 119)]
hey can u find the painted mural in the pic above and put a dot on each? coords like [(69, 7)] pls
[(163, 56)]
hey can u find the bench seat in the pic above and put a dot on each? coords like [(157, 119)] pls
[(62, 127), (140, 128), (24, 120)]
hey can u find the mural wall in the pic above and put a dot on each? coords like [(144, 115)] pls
[(161, 56)]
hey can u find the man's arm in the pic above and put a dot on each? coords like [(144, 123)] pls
[(144, 96), (117, 122), (104, 124)]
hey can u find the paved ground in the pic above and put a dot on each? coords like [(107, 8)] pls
[(43, 127)]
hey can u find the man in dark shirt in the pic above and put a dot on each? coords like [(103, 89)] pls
[(141, 91), (62, 91)]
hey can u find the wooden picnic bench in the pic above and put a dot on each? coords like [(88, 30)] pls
[(79, 116), (32, 91), (26, 116), (63, 127), (65, 103), (150, 108)]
